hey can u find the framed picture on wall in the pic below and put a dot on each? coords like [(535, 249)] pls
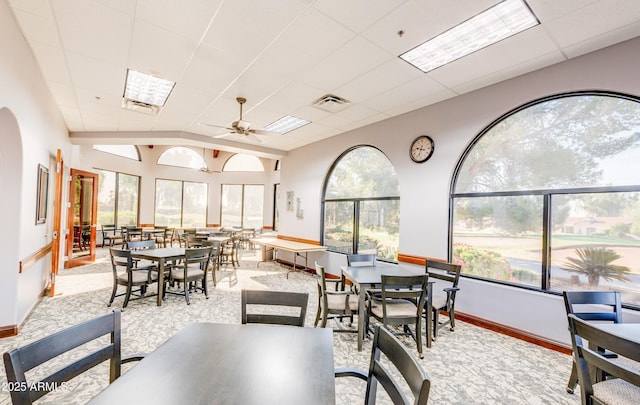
[(42, 194)]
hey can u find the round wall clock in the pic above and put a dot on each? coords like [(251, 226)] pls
[(421, 149)]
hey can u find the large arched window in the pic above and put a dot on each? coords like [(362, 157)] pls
[(548, 196), (182, 157), (361, 204), (243, 163), (127, 151)]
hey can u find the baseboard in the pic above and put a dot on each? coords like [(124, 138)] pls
[(12, 330), (513, 332)]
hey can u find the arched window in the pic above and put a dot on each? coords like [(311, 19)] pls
[(361, 204), (182, 157), (127, 151), (243, 163), (548, 196)]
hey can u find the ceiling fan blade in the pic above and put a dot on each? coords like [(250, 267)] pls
[(261, 132), (216, 126), (253, 138), (226, 134)]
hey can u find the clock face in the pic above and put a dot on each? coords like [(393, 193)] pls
[(421, 149)]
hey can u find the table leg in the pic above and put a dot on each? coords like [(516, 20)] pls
[(362, 316), (160, 281)]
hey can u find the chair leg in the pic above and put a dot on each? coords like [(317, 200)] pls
[(113, 294), (126, 298), (204, 287), (419, 336), (452, 320), (186, 291), (573, 379), (315, 324)]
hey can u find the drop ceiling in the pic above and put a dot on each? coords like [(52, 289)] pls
[(282, 55)]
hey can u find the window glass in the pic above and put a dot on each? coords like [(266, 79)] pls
[(595, 243), (117, 198), (253, 206), (182, 157), (231, 205), (127, 151), (362, 200), (569, 161), (242, 205), (243, 163), (180, 204)]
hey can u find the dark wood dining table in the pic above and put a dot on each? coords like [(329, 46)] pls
[(162, 256), (208, 363), (366, 277)]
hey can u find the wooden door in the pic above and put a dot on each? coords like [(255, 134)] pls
[(82, 218), (57, 218)]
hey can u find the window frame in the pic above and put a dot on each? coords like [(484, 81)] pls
[(547, 194), (355, 200)]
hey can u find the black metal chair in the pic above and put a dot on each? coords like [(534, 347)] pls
[(19, 361), (446, 277), (622, 385), (385, 343), (295, 300), (126, 273), (334, 303), (400, 303), (602, 306)]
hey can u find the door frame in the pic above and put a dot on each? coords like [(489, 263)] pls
[(57, 221), (91, 257)]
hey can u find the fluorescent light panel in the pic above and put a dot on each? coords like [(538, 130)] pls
[(146, 88), (492, 25), (286, 124)]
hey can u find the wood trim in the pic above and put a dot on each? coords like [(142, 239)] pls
[(421, 260), (269, 227), (513, 332), (291, 238), (34, 257), (8, 331)]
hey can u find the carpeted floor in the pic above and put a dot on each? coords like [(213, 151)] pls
[(469, 366)]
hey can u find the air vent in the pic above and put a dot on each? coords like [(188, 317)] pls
[(331, 103), (139, 106)]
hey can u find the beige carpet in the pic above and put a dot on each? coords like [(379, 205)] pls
[(469, 366)]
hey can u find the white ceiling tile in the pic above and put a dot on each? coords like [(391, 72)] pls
[(186, 18), (38, 28), (52, 62), (357, 15), (84, 71)]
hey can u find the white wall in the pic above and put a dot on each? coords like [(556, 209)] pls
[(424, 188), (41, 131)]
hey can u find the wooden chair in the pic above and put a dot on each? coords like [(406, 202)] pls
[(361, 259), (622, 385), (446, 277), (111, 234), (216, 248), (126, 273), (132, 233), (229, 253), (165, 238), (193, 268), (401, 303), (19, 361), (385, 343), (602, 306), (271, 299), (334, 303)]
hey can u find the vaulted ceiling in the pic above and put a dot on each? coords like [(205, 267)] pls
[(282, 55)]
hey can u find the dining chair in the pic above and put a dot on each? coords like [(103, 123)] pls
[(110, 234), (622, 385), (271, 300), (446, 277), (387, 349), (361, 259), (600, 306), (229, 253), (400, 303), (335, 303), (190, 270), (126, 273), (216, 247), (132, 233), (18, 362)]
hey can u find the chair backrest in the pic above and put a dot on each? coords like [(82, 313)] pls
[(274, 298), (322, 281), (19, 361), (108, 228), (412, 288), (446, 276), (416, 378), (587, 358), (594, 305), (198, 255), (120, 257), (361, 259), (141, 244), (192, 240)]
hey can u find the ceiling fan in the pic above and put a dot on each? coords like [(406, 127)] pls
[(241, 127)]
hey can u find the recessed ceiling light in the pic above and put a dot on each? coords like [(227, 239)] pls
[(492, 25), (147, 89), (286, 124)]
